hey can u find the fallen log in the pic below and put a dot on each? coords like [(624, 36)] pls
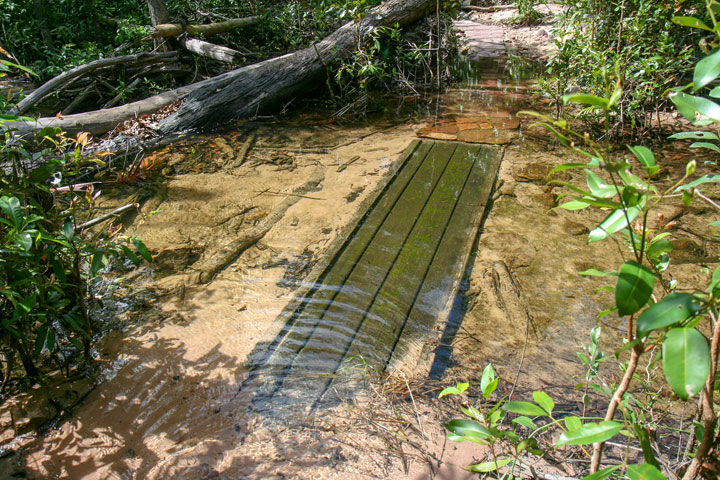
[(243, 92), (264, 86), (492, 8), (101, 121), (210, 50), (174, 29), (69, 76)]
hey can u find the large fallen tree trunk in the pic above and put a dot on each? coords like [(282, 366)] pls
[(246, 91), (174, 29), (263, 86)]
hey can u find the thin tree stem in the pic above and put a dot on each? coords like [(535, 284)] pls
[(709, 418), (612, 407)]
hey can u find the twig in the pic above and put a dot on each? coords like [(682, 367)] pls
[(281, 194), (244, 149), (612, 407), (415, 411), (696, 191), (494, 8), (108, 215), (77, 186), (342, 167), (117, 97)]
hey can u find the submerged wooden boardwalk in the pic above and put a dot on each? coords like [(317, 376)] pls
[(392, 279)]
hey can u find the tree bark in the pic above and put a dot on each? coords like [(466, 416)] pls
[(210, 50), (264, 86), (44, 31), (173, 29), (101, 121), (158, 15)]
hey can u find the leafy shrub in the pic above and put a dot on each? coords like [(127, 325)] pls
[(49, 259), (651, 51)]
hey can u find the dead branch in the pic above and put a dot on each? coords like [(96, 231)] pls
[(210, 50), (108, 215), (174, 29), (69, 76)]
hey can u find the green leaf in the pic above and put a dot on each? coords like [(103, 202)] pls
[(706, 70), (586, 99), (686, 361), (715, 92), (695, 136), (687, 198), (590, 433), (544, 400), (602, 474), (463, 430), (633, 289), (40, 340), (671, 310), (691, 22), (699, 181), (25, 241), (456, 390), (525, 422), (142, 249), (567, 166), (12, 208), (524, 408), (597, 273), (643, 436), (486, 467), (73, 320), (129, 254), (573, 423), (578, 204), (706, 145), (644, 155), (68, 228), (659, 246), (19, 67), (644, 471), (488, 382), (50, 343), (97, 262), (689, 105), (613, 222)]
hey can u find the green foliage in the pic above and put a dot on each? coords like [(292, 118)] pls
[(652, 53), (49, 260), (383, 59)]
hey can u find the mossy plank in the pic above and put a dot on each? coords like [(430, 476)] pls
[(393, 278)]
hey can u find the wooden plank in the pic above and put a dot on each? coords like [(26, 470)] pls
[(389, 188), (307, 315), (434, 301), (345, 314), (394, 302), (390, 283)]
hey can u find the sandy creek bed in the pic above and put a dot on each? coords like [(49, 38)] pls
[(167, 403)]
